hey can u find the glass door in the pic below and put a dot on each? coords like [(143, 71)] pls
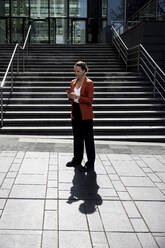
[(39, 33), (78, 31), (61, 31), (19, 27), (4, 31)]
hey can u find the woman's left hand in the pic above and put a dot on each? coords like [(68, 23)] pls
[(73, 96)]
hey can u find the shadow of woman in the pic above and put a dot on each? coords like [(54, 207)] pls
[(85, 188)]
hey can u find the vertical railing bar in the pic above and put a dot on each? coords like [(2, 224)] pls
[(1, 107), (138, 59), (11, 77), (23, 62), (18, 61), (154, 92)]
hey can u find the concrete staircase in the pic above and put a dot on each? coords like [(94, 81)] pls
[(124, 106)]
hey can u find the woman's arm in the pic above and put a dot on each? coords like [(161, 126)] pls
[(89, 98)]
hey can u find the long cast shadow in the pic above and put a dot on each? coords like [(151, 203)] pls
[(85, 188)]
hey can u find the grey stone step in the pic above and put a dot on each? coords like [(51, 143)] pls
[(96, 95), (99, 100), (96, 89), (96, 106), (116, 74), (65, 121), (63, 84), (98, 130), (109, 113)]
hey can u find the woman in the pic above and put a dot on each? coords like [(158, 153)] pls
[(81, 96)]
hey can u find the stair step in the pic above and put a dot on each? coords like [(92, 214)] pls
[(97, 122), (103, 113), (110, 107), (123, 104), (98, 130)]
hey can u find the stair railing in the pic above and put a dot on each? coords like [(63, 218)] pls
[(10, 67), (138, 59), (120, 46), (25, 46), (153, 71)]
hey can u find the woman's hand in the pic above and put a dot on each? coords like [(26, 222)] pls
[(73, 96)]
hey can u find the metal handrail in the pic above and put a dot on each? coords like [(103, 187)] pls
[(151, 68), (124, 26), (24, 46), (120, 46), (10, 65), (141, 9), (155, 71)]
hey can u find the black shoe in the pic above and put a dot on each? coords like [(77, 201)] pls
[(85, 168), (71, 164)]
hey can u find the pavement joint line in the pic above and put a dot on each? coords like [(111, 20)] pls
[(134, 202), (78, 230), (70, 138), (43, 218), (105, 233), (64, 199), (117, 192)]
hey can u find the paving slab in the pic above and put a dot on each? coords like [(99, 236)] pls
[(114, 217), (153, 214), (22, 214), (147, 240), (19, 240), (123, 240), (50, 239), (74, 239)]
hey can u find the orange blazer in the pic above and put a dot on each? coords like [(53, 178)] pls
[(85, 100)]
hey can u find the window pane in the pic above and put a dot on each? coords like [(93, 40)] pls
[(58, 8), (117, 10), (4, 8), (79, 32), (20, 8), (161, 9), (3, 30), (104, 8), (17, 28), (61, 31), (78, 8), (39, 8), (39, 33)]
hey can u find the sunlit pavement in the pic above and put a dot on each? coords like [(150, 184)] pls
[(45, 204)]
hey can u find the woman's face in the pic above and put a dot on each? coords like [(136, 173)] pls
[(79, 73)]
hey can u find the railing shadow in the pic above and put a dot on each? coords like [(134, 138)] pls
[(85, 188)]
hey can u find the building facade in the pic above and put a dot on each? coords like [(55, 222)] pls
[(70, 21), (57, 21)]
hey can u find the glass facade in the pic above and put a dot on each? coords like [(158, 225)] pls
[(57, 21), (78, 8), (161, 10), (152, 10)]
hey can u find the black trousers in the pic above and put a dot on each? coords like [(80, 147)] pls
[(83, 132)]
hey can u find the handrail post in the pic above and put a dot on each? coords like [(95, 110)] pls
[(138, 59), (23, 61), (18, 60), (12, 77), (119, 50), (126, 65), (154, 82), (1, 107)]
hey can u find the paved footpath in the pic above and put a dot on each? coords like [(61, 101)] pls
[(43, 204)]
